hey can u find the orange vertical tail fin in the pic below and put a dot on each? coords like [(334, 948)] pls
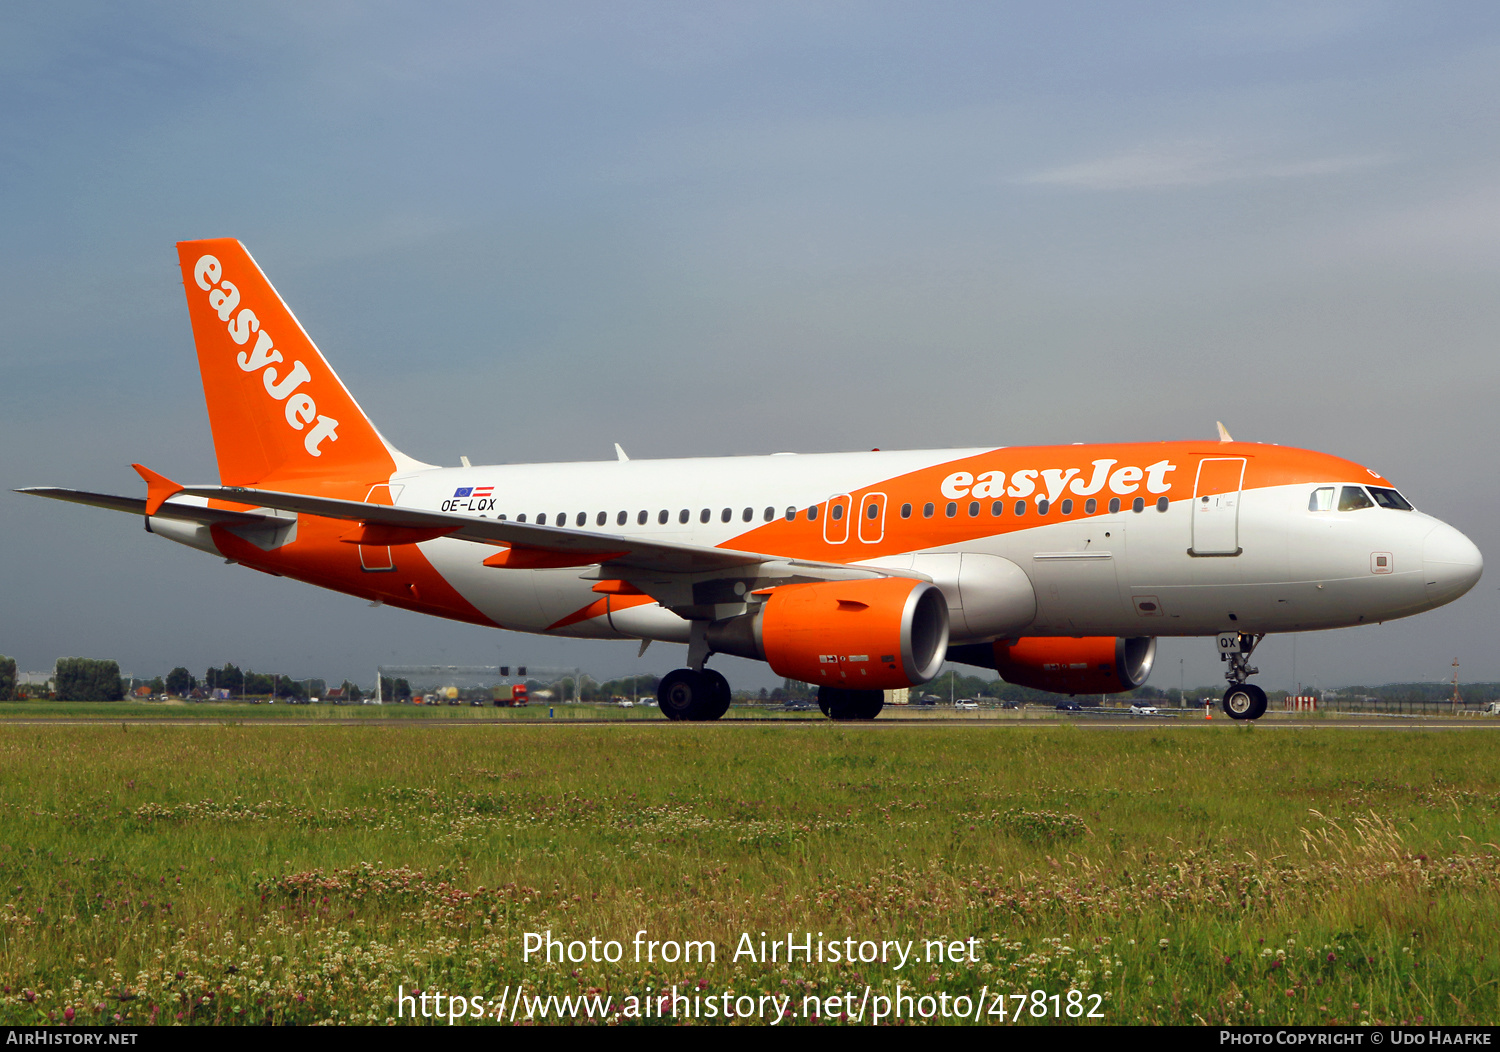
[(279, 413)]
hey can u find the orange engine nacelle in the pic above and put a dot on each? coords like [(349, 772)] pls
[(1091, 665), (874, 634)]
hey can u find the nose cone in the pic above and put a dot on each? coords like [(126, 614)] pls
[(1452, 564)]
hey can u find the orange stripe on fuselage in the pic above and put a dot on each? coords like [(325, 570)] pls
[(601, 607), (1265, 466)]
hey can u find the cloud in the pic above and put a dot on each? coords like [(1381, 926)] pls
[(1192, 164)]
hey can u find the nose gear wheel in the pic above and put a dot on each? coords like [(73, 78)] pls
[(1245, 702)]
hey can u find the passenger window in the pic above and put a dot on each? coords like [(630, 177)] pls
[(749, 514), (521, 517), (973, 509), (1321, 499), (927, 510), (952, 509), (1162, 503), (500, 517), (812, 513), (1138, 505), (997, 509), (726, 514), (1352, 498), (621, 518), (640, 520), (770, 514), (837, 512), (682, 516), (1114, 505), (662, 517), (705, 515), (1067, 507), (872, 511), (603, 517), (1389, 498), (541, 520), (582, 520), (906, 511), (1020, 508), (1042, 506), (1090, 506), (791, 513)]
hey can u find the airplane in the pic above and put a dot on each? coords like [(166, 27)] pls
[(1056, 566)]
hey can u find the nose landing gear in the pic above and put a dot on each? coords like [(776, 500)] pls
[(1245, 702), (1242, 701)]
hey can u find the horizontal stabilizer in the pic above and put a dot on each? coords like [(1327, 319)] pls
[(170, 510)]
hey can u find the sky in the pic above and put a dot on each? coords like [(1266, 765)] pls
[(522, 233)]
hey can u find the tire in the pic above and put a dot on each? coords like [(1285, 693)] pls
[(685, 695), (1245, 702), (840, 704), (868, 703), (721, 695)]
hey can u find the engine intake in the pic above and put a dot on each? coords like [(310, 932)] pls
[(874, 634)]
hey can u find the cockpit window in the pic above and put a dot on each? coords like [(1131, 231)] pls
[(1389, 498), (1353, 498), (1321, 500)]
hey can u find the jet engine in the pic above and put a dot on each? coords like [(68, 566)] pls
[(1064, 665), (874, 634)]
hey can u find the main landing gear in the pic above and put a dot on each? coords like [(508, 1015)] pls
[(840, 704), (1242, 701), (689, 695)]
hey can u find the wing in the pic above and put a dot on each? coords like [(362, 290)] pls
[(684, 577), (688, 578)]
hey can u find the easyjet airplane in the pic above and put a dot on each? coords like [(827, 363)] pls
[(1057, 566)]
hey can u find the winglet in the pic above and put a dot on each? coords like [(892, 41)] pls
[(620, 453), (1223, 432), (159, 488)]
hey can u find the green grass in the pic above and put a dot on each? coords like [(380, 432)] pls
[(260, 873), (233, 710)]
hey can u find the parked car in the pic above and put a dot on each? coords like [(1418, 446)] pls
[(1069, 706), (1143, 710), (966, 705)]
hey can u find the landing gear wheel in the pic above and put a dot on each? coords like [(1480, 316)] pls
[(721, 695), (840, 704), (686, 695), (1245, 702)]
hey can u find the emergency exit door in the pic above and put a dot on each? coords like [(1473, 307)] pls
[(377, 558), (1216, 506)]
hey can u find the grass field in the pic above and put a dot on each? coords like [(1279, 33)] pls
[(232, 710), (274, 873)]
